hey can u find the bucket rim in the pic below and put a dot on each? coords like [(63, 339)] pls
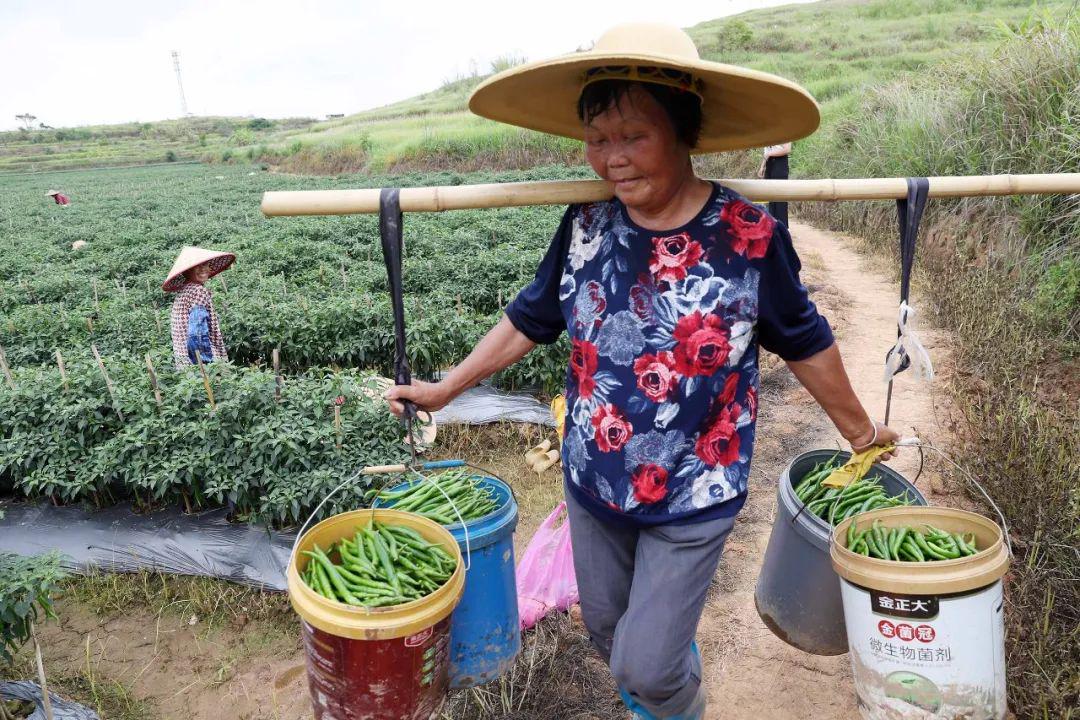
[(494, 514), (940, 577), (382, 623), (815, 526)]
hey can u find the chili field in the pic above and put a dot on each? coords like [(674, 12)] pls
[(314, 289)]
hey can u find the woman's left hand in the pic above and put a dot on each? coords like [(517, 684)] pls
[(880, 435)]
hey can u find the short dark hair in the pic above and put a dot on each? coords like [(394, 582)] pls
[(683, 108)]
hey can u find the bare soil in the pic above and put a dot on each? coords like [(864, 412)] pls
[(178, 666)]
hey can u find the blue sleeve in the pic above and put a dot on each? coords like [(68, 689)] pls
[(536, 312), (789, 324)]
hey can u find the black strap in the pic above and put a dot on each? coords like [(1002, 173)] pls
[(392, 246), (909, 212)]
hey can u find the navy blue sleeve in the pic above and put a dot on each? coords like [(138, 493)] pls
[(788, 322), (535, 312)]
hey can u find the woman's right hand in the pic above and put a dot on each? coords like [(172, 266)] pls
[(426, 396)]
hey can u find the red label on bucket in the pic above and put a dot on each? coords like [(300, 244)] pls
[(377, 679)]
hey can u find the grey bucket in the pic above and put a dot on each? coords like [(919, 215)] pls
[(798, 592)]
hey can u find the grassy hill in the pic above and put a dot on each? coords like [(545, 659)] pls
[(837, 48)]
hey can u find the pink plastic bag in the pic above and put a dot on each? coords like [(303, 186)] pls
[(545, 575)]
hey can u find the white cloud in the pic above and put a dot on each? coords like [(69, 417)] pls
[(78, 63)]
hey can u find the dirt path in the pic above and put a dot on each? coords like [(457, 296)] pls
[(177, 666), (751, 674)]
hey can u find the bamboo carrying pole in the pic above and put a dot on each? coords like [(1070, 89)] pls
[(564, 192)]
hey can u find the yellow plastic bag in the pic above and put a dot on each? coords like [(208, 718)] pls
[(558, 409), (856, 466)]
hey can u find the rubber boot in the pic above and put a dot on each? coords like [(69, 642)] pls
[(696, 711)]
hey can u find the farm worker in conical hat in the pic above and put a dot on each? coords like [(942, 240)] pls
[(667, 291), (193, 321), (60, 198)]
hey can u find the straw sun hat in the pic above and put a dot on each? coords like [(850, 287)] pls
[(191, 257), (741, 108)]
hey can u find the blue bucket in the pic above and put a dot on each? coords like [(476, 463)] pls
[(485, 635)]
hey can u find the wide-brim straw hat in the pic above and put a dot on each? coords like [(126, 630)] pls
[(741, 108), (52, 192), (191, 257)]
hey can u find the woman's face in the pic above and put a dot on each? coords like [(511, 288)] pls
[(633, 146), (199, 274)]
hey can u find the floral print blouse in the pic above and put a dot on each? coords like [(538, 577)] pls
[(662, 383)]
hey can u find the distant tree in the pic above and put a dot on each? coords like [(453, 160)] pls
[(43, 126), (260, 124), (27, 120)]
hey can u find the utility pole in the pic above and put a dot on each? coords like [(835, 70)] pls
[(179, 82)]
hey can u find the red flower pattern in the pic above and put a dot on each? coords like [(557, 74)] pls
[(583, 363), (656, 376), (650, 483), (612, 430), (719, 444), (751, 228), (701, 344), (673, 256)]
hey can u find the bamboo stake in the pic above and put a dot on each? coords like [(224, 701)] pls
[(344, 279), (206, 382), (46, 701), (276, 356), (564, 192), (337, 424), (97, 304), (108, 382), (153, 380), (63, 368), (90, 325), (224, 284), (6, 368)]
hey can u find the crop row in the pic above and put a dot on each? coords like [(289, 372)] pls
[(265, 455), (315, 288)]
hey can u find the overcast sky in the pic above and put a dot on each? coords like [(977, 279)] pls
[(104, 61)]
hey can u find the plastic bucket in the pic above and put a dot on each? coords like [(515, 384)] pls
[(485, 636), (797, 594), (927, 639), (383, 663)]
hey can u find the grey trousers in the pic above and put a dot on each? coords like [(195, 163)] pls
[(642, 592)]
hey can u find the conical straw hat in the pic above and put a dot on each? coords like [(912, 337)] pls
[(193, 257), (741, 108), (52, 192)]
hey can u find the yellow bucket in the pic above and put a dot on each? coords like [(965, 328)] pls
[(926, 639), (380, 663)]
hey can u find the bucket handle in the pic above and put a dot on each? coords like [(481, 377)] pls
[(387, 469)]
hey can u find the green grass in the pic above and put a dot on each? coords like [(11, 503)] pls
[(838, 49), (1003, 275)]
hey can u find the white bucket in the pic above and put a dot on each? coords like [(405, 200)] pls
[(927, 640)]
